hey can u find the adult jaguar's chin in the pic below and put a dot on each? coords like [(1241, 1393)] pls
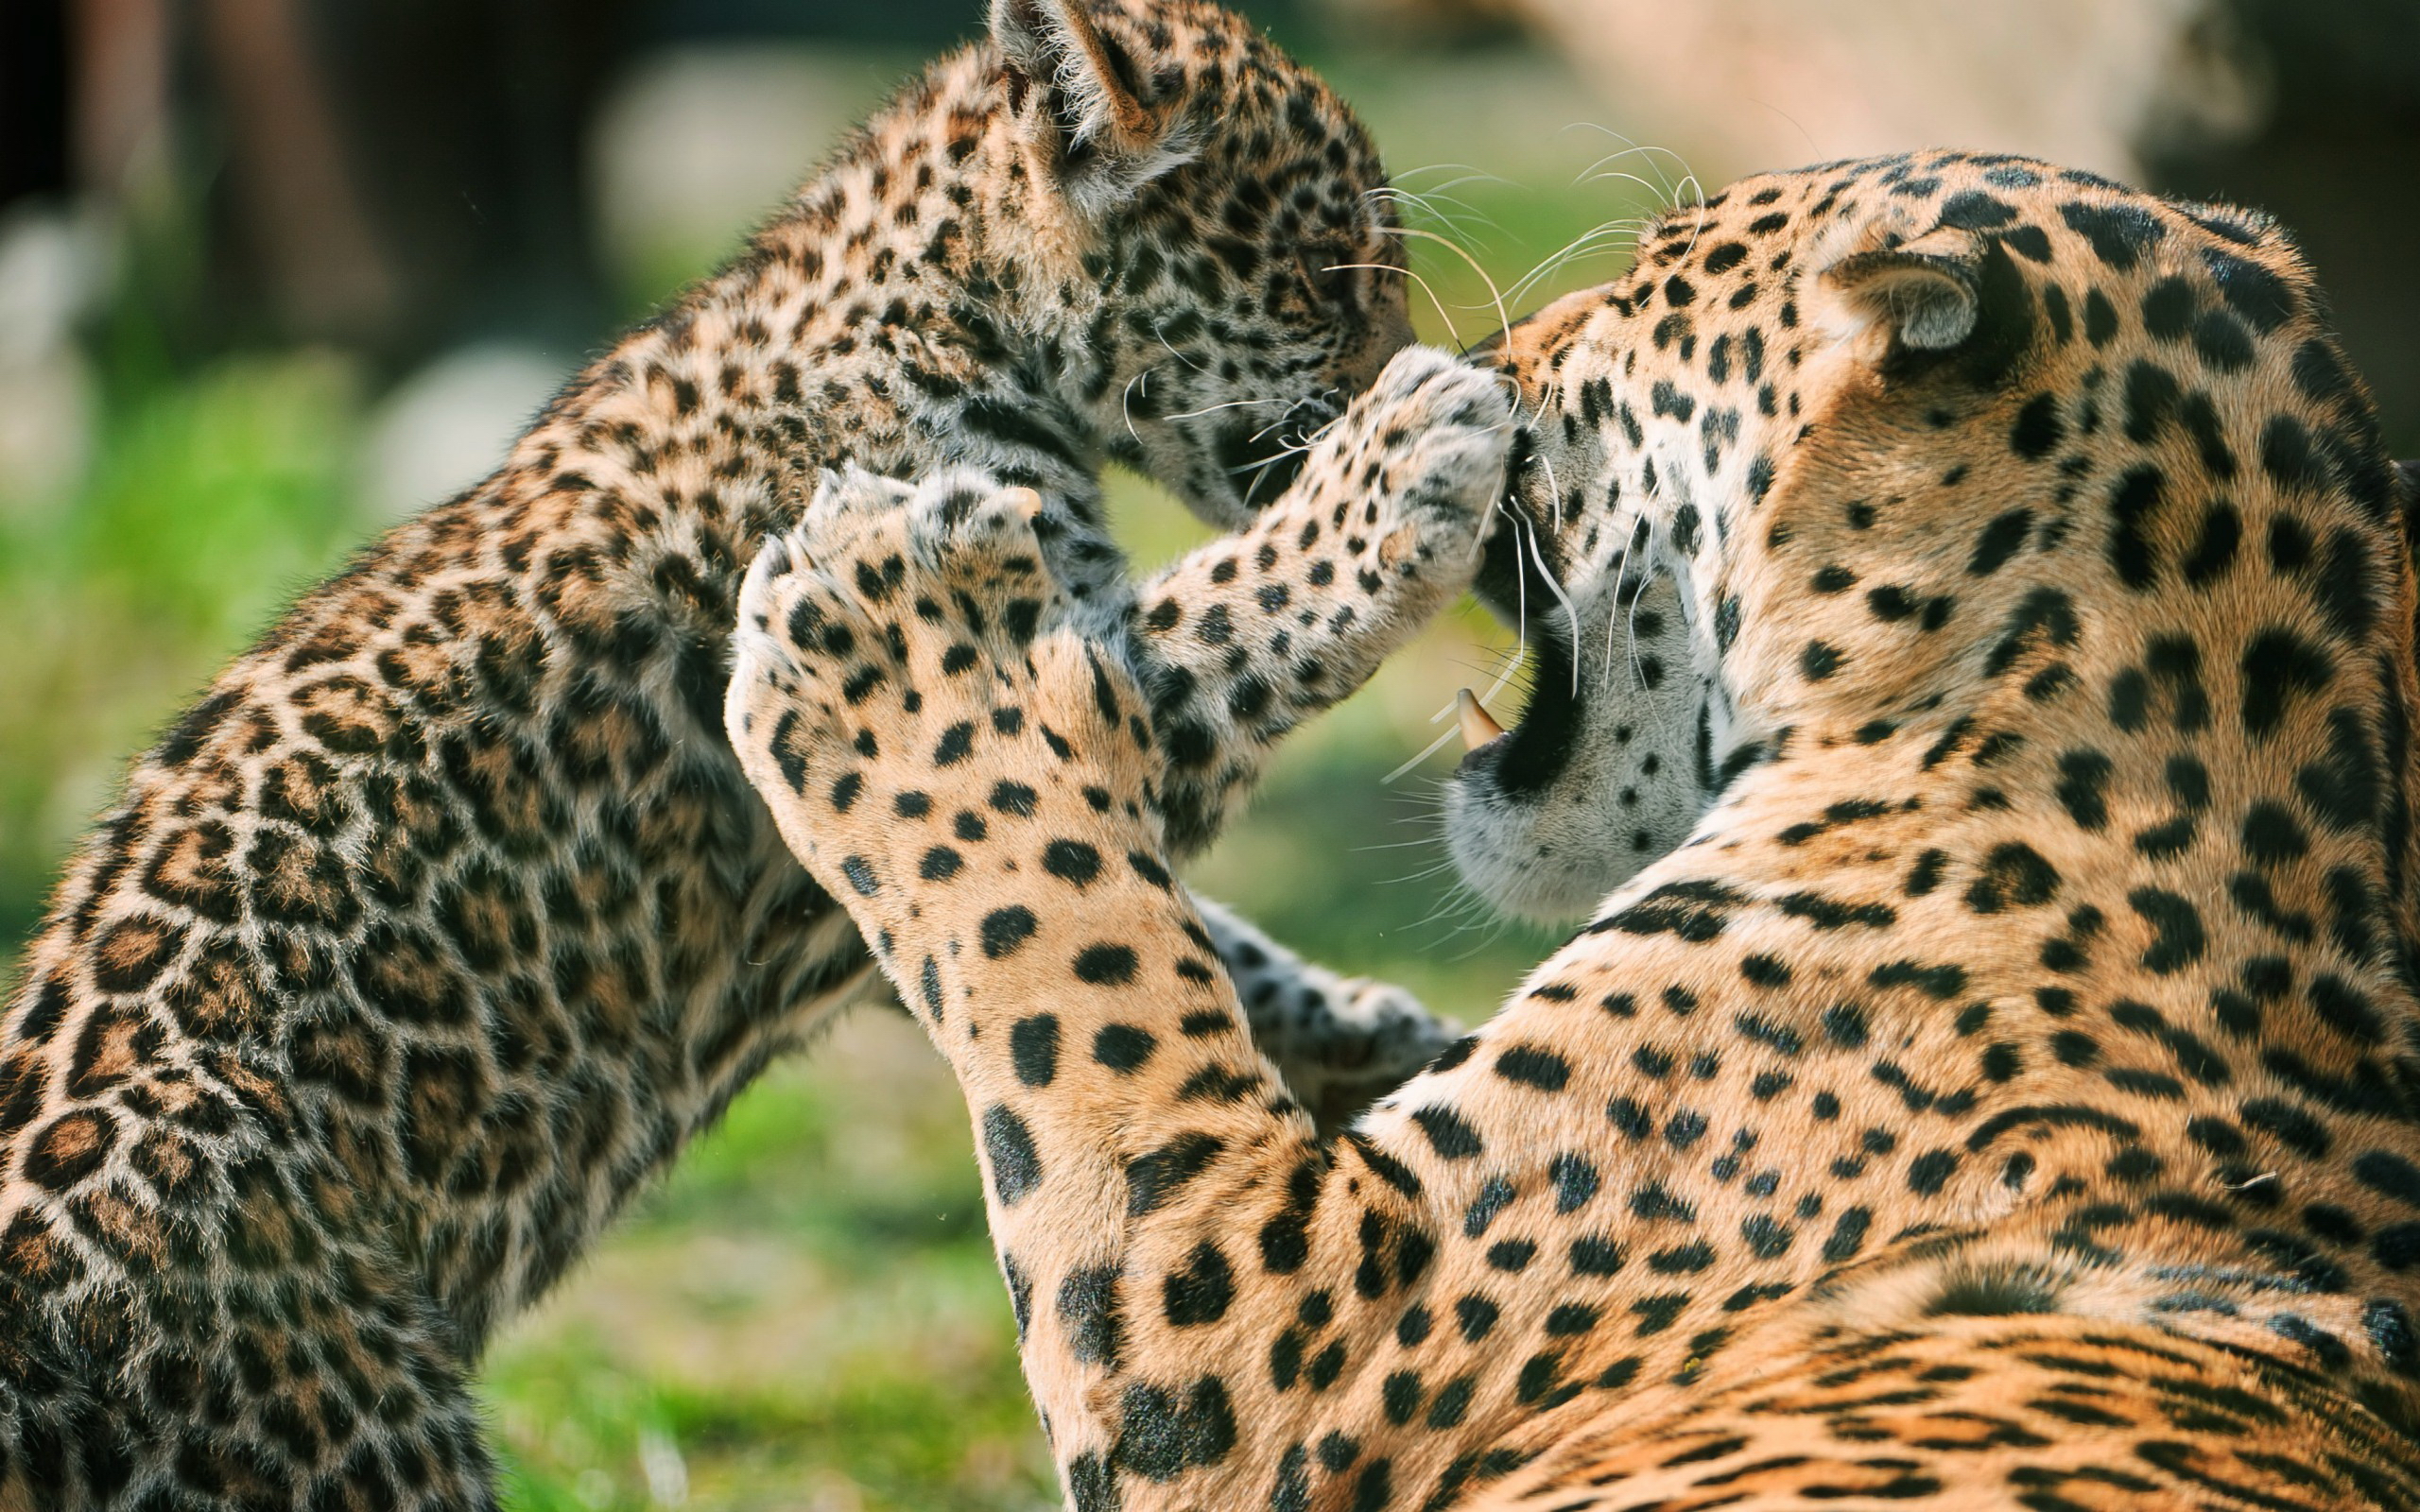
[(1525, 810), (1595, 776)]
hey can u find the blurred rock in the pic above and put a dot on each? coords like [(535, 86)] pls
[(1747, 84), (448, 425), (697, 144), (52, 264)]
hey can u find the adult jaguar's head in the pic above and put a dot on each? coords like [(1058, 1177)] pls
[(1851, 448), (1215, 222)]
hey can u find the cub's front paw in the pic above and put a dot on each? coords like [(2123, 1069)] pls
[(1424, 451), (902, 656)]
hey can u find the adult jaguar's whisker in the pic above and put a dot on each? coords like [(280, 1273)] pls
[(1232, 404), (1503, 320)]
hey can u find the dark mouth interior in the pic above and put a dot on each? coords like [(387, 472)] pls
[(1535, 751), (1538, 747)]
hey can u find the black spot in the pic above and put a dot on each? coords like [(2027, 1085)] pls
[(1033, 1049), (2278, 667), (2099, 318), (1004, 930), (2222, 342), (2345, 1009), (956, 742), (939, 863), (2343, 788), (1476, 1317), (2250, 290), (2178, 939), (1999, 542), (2288, 457), (1533, 1066), (1929, 1172), (2038, 431), (1088, 1309), (2131, 503), (1448, 1133), (1072, 860), (1201, 1292), (2120, 235), (1973, 210), (1016, 1166), (2013, 874), (1105, 964), (2213, 551), (1575, 1181), (2167, 308), (2272, 834), (1152, 1178), (2345, 589), (2084, 780), (2152, 396)]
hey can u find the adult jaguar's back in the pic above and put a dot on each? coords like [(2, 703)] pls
[(446, 917)]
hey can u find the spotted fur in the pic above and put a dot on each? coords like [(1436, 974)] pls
[(445, 917), (1994, 1081)]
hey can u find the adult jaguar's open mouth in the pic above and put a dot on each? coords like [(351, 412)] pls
[(1514, 581), (1593, 777)]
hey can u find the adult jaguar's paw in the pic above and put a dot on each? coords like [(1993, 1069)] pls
[(904, 666)]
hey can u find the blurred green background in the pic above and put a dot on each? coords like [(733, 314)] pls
[(231, 349)]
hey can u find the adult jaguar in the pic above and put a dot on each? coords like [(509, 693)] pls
[(1994, 1078), (445, 917)]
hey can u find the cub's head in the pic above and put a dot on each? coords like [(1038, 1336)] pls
[(1880, 447), (1215, 223)]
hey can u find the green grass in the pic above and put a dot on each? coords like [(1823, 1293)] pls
[(806, 1314), (211, 504)]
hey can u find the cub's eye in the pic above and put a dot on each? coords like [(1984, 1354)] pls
[(1328, 269)]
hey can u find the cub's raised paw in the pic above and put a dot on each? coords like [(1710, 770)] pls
[(905, 657), (1438, 431), (1252, 634)]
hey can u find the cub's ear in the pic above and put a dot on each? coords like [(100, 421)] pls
[(1077, 97), (1924, 293)]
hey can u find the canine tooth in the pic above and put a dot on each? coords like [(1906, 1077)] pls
[(1479, 728)]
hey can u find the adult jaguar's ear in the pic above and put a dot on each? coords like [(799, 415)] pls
[(1080, 98), (1950, 302), (1924, 293)]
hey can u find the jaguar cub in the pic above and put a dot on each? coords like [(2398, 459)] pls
[(1976, 724), (447, 915)]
